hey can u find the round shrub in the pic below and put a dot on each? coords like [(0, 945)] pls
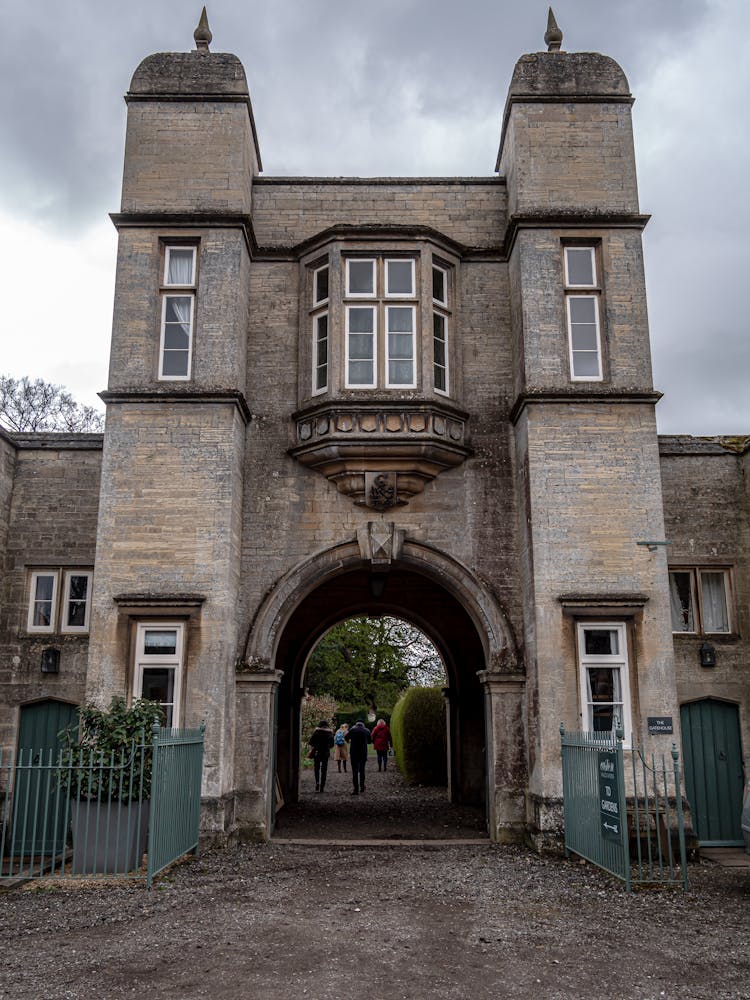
[(419, 737)]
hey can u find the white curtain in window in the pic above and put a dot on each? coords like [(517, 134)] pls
[(181, 308), (713, 593), (180, 267)]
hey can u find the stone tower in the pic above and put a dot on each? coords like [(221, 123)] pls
[(588, 478), (169, 533)]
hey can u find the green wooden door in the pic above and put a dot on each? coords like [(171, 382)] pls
[(38, 815), (713, 770)]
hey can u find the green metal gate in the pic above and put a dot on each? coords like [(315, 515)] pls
[(713, 770), (174, 820), (625, 827), (66, 815), (37, 830)]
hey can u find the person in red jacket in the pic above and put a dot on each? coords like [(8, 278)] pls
[(381, 740)]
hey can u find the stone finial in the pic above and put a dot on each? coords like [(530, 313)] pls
[(202, 33), (552, 36)]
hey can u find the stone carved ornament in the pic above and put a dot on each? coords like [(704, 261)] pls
[(380, 542)]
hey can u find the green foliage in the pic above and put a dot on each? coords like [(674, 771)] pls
[(370, 661), (313, 709), (347, 713), (108, 755), (418, 731)]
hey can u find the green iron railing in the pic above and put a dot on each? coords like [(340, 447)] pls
[(67, 815), (175, 796), (627, 832)]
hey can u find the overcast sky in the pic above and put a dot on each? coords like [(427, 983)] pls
[(395, 87)]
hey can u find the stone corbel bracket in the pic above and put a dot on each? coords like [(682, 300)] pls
[(402, 445)]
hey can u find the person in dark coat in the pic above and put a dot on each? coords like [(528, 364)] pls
[(358, 737), (321, 742), (381, 740)]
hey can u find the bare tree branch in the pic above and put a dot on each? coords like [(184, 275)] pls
[(27, 405)]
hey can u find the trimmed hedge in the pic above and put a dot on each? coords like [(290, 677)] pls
[(350, 715), (419, 736)]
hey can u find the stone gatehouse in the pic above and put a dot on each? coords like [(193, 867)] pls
[(426, 397)]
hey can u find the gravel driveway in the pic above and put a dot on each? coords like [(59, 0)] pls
[(285, 921)]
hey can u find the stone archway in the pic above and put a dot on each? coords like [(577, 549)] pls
[(382, 573)]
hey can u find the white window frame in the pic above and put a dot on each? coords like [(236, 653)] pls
[(696, 593), (609, 661), (444, 271), (177, 290), (315, 341), (572, 353), (388, 294), (373, 265), (174, 661), (589, 290), (43, 629), (76, 629), (446, 367), (413, 383), (167, 254), (188, 376), (374, 335), (317, 301), (594, 279)]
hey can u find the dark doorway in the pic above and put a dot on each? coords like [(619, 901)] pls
[(416, 598)]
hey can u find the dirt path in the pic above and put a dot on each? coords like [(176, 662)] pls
[(389, 809), (401, 922)]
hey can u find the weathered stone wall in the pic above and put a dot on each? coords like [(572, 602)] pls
[(567, 144), (287, 211), (292, 512), (51, 525), (706, 509), (169, 525), (190, 142), (220, 318), (592, 493), (540, 325)]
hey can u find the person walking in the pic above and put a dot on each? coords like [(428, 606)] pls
[(341, 750), (321, 742), (381, 740), (358, 738)]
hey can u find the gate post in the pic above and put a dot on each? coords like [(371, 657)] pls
[(255, 753), (505, 754)]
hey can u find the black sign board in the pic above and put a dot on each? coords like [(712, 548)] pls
[(609, 797), (660, 724)]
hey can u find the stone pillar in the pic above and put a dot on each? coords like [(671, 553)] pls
[(505, 755), (255, 752)]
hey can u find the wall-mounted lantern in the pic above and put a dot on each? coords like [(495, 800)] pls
[(50, 660), (708, 655)]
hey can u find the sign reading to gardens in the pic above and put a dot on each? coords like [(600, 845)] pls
[(609, 798)]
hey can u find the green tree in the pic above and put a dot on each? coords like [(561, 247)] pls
[(370, 661)]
